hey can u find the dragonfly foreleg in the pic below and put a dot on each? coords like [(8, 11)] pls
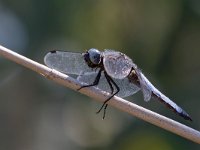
[(96, 81)]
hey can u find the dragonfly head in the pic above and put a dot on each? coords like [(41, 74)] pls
[(93, 57)]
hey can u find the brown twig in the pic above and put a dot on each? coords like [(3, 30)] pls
[(121, 104)]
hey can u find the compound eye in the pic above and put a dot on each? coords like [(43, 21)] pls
[(94, 56)]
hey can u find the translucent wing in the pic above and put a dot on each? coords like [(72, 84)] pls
[(116, 64), (67, 62), (126, 87), (149, 90), (145, 85)]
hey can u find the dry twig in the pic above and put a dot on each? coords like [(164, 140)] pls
[(123, 105)]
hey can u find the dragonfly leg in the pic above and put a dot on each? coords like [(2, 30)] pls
[(96, 81), (110, 82), (112, 90), (104, 112)]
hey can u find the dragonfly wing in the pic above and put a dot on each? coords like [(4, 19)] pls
[(149, 90), (116, 64), (67, 62), (126, 88), (145, 85)]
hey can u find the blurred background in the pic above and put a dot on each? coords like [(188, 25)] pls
[(161, 36)]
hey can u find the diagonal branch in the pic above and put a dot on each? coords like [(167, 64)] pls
[(121, 104)]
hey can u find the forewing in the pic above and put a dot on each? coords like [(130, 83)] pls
[(67, 62), (126, 88), (116, 64)]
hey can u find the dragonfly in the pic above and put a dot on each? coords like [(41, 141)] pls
[(110, 71)]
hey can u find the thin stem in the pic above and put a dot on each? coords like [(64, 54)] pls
[(121, 104)]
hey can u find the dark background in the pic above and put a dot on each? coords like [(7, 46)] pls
[(161, 36)]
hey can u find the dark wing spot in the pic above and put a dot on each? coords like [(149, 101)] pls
[(53, 51)]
